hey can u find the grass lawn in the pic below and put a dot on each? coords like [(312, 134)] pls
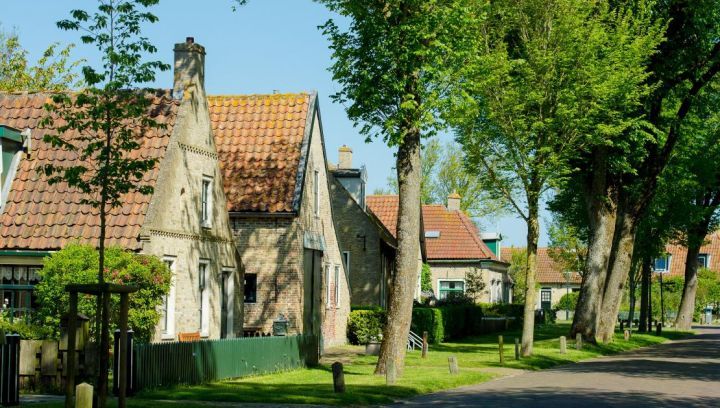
[(475, 355)]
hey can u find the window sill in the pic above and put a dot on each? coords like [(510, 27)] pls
[(204, 335), (167, 336)]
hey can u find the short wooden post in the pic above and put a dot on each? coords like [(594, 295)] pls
[(626, 335), (563, 345), (622, 325), (517, 348), (122, 381), (84, 396), (501, 347), (452, 362), (338, 377), (658, 329), (578, 341), (425, 345), (70, 379), (390, 372)]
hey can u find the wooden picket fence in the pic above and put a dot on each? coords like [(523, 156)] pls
[(167, 364)]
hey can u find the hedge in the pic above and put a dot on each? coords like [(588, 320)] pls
[(365, 325)]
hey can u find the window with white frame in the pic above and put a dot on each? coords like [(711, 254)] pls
[(167, 320), (206, 202), (662, 264), (703, 260), (327, 286), (203, 283), (228, 305), (316, 193), (346, 262), (451, 288), (337, 284)]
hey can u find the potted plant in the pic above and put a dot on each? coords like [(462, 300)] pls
[(372, 346)]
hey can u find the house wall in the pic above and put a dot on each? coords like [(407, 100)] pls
[(358, 235), (273, 247), (557, 290), (458, 271), (173, 229)]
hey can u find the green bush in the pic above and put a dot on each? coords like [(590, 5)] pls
[(78, 264), (365, 325), (430, 320), (568, 301), (26, 330)]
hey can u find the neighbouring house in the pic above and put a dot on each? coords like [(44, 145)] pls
[(384, 209), (553, 281), (455, 250), (276, 179), (673, 262), (368, 247), (184, 221)]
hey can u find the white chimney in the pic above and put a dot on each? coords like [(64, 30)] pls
[(453, 202), (189, 69), (344, 157)]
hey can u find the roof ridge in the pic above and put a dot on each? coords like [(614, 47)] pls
[(303, 93), (474, 233)]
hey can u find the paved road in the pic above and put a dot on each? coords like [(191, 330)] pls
[(684, 373)]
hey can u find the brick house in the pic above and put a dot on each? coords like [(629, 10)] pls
[(276, 180), (368, 247), (184, 221), (673, 261), (553, 282)]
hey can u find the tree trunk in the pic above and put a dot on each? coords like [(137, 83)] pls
[(634, 275), (645, 295), (687, 303), (602, 213), (533, 231), (617, 275), (395, 333)]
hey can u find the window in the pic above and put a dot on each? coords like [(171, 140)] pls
[(662, 264), (703, 260), (206, 202), (250, 288), (337, 284), (327, 286), (227, 307), (346, 262), (167, 320), (17, 283), (546, 298), (449, 287), (432, 234), (316, 192), (204, 298)]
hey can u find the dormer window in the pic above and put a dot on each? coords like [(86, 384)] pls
[(206, 202), (432, 234)]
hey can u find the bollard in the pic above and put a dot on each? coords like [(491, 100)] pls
[(390, 373), (338, 377), (83, 395), (452, 362), (658, 329), (626, 335), (501, 347), (517, 348), (578, 341), (563, 345), (425, 345), (622, 325)]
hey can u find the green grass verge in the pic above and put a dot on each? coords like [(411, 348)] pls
[(476, 357)]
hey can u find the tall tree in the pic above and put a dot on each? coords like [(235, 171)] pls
[(104, 123), (54, 71), (552, 79), (687, 61), (393, 62)]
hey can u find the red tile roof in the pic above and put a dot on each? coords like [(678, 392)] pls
[(548, 271), (459, 237), (679, 254), (259, 139), (39, 216)]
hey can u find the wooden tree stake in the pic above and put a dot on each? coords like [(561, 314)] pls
[(517, 348), (501, 347), (425, 344), (452, 362)]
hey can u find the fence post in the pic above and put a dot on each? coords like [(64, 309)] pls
[(10, 366), (72, 323), (578, 341), (452, 362), (501, 346), (517, 348), (122, 384), (338, 377), (425, 344), (563, 345)]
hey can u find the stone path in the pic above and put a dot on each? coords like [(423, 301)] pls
[(684, 373)]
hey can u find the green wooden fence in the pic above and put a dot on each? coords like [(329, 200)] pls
[(167, 364)]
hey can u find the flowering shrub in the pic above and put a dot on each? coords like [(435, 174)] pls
[(77, 263)]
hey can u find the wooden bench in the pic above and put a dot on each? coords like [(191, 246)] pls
[(188, 337)]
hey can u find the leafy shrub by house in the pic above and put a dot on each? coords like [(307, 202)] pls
[(26, 330), (568, 301), (428, 319), (78, 263), (365, 326)]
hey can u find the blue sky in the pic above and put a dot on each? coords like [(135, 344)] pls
[(265, 46)]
